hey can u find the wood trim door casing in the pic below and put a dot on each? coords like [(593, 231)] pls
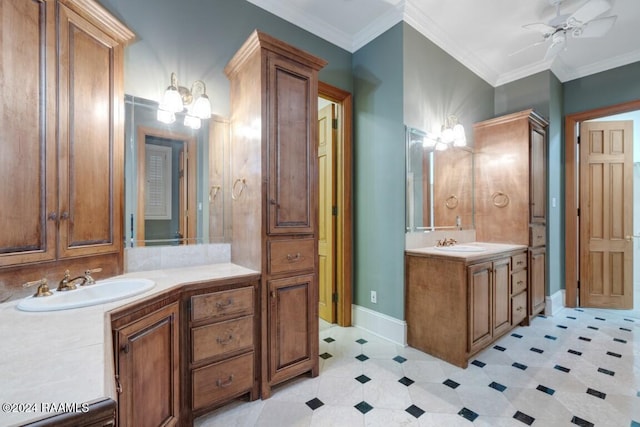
[(344, 196), (571, 195), (191, 144)]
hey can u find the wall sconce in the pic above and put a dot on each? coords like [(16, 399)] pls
[(451, 134), (178, 98)]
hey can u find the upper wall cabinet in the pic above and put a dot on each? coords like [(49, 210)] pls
[(62, 141)]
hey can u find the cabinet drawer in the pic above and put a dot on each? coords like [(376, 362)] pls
[(291, 255), (223, 304), (220, 381), (220, 338), (519, 262), (518, 308), (518, 281), (537, 235)]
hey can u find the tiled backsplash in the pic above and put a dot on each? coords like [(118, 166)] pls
[(159, 257)]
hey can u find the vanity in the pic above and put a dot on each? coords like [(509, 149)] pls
[(151, 343), (462, 298)]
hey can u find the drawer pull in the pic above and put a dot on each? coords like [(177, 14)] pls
[(294, 258), (224, 305), (519, 262), (520, 282), (222, 384), (519, 308), (225, 341)]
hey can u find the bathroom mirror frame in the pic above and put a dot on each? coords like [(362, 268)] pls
[(439, 186)]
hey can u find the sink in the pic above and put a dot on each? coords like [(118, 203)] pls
[(461, 248), (101, 292)]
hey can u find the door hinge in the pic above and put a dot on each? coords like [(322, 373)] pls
[(125, 348), (578, 284), (334, 297), (334, 211), (578, 212), (578, 140), (334, 123)]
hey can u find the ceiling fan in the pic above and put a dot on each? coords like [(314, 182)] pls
[(582, 23)]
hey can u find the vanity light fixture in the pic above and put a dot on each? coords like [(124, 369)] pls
[(451, 134), (177, 99)]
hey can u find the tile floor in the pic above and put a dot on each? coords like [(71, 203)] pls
[(579, 367)]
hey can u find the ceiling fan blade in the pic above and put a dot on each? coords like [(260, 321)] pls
[(596, 28), (555, 47), (545, 29), (589, 11)]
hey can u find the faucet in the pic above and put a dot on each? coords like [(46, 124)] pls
[(446, 242), (69, 284)]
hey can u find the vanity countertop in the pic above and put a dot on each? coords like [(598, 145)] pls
[(66, 356), (491, 250)]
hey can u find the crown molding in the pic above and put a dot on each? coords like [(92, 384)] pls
[(379, 26), (431, 30), (299, 18), (597, 67)]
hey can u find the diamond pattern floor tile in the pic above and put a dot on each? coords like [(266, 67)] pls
[(580, 367)]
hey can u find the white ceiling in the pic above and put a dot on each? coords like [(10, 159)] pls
[(482, 35)]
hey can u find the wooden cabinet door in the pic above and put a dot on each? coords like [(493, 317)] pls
[(538, 175), (27, 142), (90, 152), (501, 296), (292, 326), (537, 268), (480, 306), (149, 371), (292, 130)]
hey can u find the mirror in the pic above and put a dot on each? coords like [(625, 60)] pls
[(439, 186), (174, 178)]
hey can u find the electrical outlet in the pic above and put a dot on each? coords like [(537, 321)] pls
[(374, 297)]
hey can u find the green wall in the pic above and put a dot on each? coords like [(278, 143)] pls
[(609, 87), (379, 147), (196, 39), (436, 86)]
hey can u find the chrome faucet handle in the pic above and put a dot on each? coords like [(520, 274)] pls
[(43, 287), (88, 280)]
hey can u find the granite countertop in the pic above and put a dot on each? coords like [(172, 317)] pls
[(66, 356), (491, 249)]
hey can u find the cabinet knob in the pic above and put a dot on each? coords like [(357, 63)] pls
[(53, 216), (65, 215)]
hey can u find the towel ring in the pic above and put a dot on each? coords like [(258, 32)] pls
[(243, 181), (500, 199), (451, 202), (214, 189)]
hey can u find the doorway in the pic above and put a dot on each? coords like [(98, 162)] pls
[(166, 188), (600, 242), (337, 277)]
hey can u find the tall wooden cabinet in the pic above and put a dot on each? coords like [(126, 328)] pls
[(274, 109), (511, 190), (62, 137)]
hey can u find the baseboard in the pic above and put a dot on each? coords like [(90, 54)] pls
[(380, 324), (554, 303)]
